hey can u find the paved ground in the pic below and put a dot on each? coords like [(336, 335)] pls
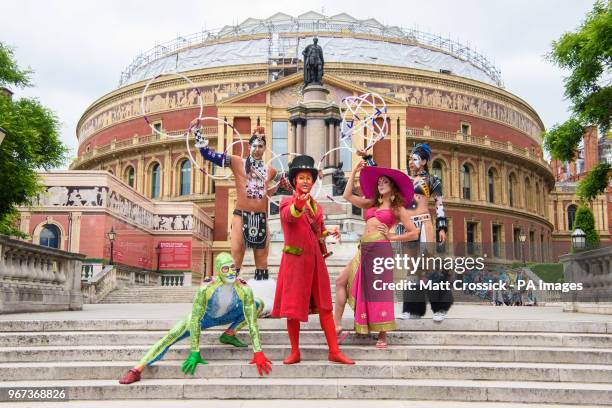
[(175, 311), (287, 403)]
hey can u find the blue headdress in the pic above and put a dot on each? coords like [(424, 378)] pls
[(423, 150)]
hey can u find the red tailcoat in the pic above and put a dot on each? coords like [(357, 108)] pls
[(303, 279)]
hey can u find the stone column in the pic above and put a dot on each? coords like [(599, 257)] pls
[(167, 175), (455, 175), (403, 165), (561, 216), (198, 175), (336, 140), (75, 231), (482, 177), (73, 279), (329, 129), (504, 184), (140, 175), (293, 139), (301, 136)]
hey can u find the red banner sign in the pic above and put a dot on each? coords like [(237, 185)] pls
[(175, 255)]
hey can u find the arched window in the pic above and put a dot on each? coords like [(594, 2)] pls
[(511, 184), (571, 215), (50, 236), (466, 182), (491, 179), (155, 180), (185, 178), (436, 170), (129, 176)]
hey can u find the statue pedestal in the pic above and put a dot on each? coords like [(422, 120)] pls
[(316, 123), (315, 93)]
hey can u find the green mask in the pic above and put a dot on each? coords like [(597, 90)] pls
[(224, 267)]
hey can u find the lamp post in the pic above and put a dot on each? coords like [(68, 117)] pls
[(523, 238), (578, 239), (2, 134), (112, 235), (158, 252)]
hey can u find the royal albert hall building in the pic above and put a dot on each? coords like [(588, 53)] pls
[(486, 141)]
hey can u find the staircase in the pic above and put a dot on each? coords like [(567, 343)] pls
[(152, 294), (180, 294), (551, 360)]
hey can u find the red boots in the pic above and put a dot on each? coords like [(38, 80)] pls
[(329, 328)]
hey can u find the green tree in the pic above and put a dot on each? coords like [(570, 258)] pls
[(594, 183), (587, 54), (32, 143), (586, 222)]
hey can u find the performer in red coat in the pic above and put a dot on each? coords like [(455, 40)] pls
[(303, 280)]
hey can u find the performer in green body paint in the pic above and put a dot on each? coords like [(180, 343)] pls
[(223, 300)]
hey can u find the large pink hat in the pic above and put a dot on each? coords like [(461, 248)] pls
[(369, 182)]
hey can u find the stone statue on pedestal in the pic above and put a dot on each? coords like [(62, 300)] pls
[(338, 180), (313, 63)]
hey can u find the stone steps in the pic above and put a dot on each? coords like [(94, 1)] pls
[(157, 294), (332, 388), (279, 337), (470, 360), (405, 370), (477, 325), (215, 352)]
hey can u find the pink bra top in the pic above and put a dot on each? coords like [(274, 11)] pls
[(384, 215)]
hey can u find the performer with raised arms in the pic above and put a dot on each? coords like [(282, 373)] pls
[(249, 227), (386, 194)]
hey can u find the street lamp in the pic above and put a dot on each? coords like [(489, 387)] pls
[(578, 239), (112, 235), (523, 238), (2, 134), (158, 252)]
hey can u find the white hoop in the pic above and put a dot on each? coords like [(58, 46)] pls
[(238, 140), (142, 103), (360, 118), (316, 195)]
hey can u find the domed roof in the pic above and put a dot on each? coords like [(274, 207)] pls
[(343, 37)]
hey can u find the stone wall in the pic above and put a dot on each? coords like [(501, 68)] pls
[(35, 278)]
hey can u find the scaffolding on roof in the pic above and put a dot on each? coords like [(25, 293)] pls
[(311, 22)]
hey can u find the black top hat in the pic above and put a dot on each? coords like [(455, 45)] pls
[(301, 163)]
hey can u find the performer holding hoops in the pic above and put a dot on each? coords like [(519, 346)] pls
[(426, 186), (249, 222), (226, 299), (386, 193), (303, 280)]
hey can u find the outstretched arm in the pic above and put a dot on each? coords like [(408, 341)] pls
[(197, 312), (250, 315), (348, 195), (208, 153), (292, 210)]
